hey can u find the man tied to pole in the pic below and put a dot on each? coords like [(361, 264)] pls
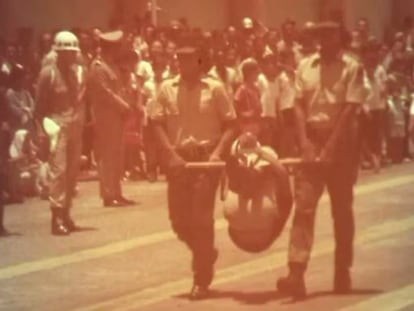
[(191, 119), (330, 90)]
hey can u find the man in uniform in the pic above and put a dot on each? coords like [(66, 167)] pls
[(191, 119), (110, 110), (330, 91), (60, 110)]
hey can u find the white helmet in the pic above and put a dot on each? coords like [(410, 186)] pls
[(66, 41)]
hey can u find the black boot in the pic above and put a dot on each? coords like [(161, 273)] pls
[(342, 281), (68, 221), (203, 276), (58, 226), (294, 284)]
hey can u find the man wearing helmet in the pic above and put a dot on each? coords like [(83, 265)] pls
[(60, 109)]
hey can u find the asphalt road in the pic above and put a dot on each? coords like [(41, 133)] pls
[(128, 259)]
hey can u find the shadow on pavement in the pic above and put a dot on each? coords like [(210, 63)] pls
[(265, 297), (84, 229), (354, 292), (7, 234), (248, 298)]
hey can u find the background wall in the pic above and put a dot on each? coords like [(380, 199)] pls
[(49, 14), (276, 11), (378, 12), (209, 14)]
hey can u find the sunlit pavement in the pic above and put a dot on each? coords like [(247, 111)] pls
[(128, 259)]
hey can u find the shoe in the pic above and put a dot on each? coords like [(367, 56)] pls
[(113, 203), (58, 226), (292, 286), (342, 282), (204, 271), (69, 223), (126, 201), (199, 292)]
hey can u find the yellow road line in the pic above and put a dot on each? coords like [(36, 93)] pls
[(151, 239), (150, 296), (393, 301)]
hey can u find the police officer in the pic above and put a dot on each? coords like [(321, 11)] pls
[(110, 110), (330, 91), (60, 109), (191, 119)]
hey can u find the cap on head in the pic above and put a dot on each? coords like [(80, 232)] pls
[(187, 45), (66, 41), (328, 26), (111, 38)]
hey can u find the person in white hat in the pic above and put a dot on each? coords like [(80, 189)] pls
[(60, 110), (110, 110)]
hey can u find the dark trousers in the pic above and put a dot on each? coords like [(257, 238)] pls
[(191, 200), (110, 146), (3, 181), (338, 177), (310, 183), (152, 150), (378, 130)]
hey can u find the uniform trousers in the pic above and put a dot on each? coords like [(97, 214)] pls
[(110, 146), (338, 177), (310, 183), (64, 163), (191, 200)]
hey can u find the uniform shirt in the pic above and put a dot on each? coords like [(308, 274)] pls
[(276, 95), (105, 89), (194, 114), (60, 98), (324, 88)]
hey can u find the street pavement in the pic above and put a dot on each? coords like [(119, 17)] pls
[(128, 259)]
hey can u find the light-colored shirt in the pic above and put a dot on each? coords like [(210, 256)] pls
[(194, 114), (150, 90), (376, 99), (276, 95), (325, 87), (229, 82)]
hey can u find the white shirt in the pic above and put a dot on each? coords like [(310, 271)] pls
[(376, 99), (276, 95)]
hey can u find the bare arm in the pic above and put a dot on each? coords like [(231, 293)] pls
[(226, 139), (174, 160)]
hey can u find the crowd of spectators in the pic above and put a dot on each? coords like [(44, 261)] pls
[(255, 63)]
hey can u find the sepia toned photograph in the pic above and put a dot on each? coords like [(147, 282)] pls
[(206, 155)]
